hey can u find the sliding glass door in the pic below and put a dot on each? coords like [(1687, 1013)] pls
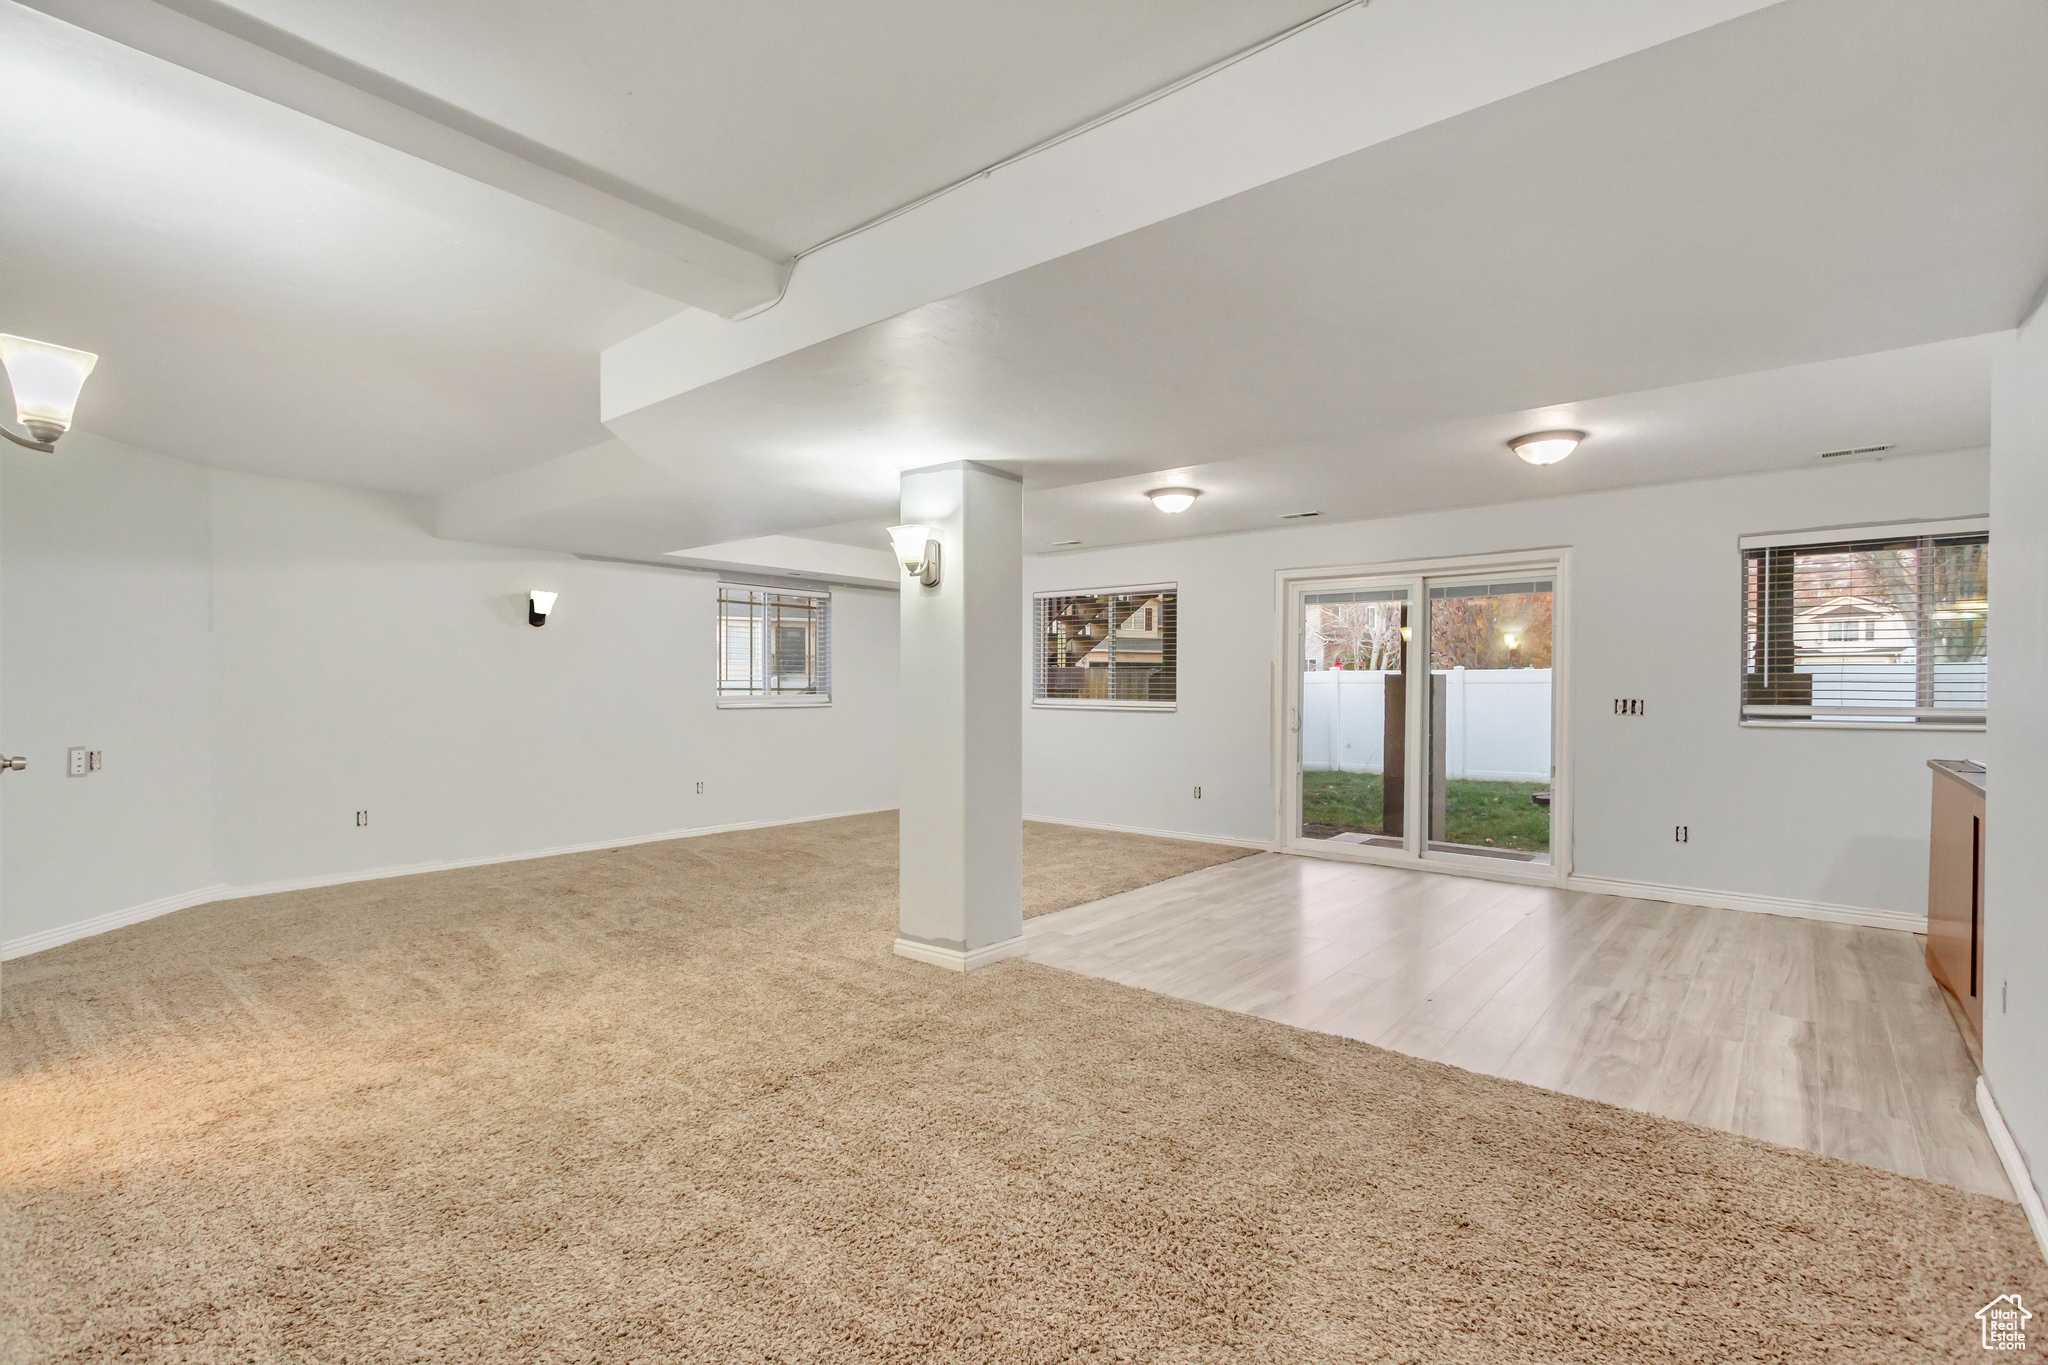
[(1490, 718), (1353, 707), (1420, 720)]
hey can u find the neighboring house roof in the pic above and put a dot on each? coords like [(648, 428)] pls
[(1132, 644), (1852, 606)]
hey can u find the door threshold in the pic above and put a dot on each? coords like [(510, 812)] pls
[(1483, 869)]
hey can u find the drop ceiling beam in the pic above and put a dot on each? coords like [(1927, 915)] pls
[(507, 187), (1357, 79)]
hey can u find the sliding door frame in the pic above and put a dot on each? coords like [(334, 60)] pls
[(1290, 585)]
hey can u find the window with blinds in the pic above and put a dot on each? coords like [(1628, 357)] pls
[(1884, 627), (774, 647), (1116, 649)]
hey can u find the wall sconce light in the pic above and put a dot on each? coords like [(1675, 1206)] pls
[(46, 382), (1546, 447), (917, 547), (1174, 499), (538, 606)]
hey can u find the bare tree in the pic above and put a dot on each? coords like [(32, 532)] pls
[(1358, 634)]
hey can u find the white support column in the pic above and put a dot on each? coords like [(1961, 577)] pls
[(961, 900)]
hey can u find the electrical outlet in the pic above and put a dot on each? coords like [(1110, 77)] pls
[(1198, 793), (1628, 706), (1681, 834), (92, 761), (362, 818), (700, 789), (76, 767)]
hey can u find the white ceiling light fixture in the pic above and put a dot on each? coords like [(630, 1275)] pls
[(1174, 499), (46, 380), (917, 549), (1546, 447), (538, 604)]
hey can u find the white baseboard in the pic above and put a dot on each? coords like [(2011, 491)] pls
[(113, 919), (2015, 1166), (207, 895), (954, 960), (1264, 845), (1739, 900)]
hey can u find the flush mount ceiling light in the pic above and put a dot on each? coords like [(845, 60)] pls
[(46, 382), (1546, 447), (1174, 499), (917, 549), (538, 604)]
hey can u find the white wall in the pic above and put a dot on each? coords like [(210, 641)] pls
[(2016, 799), (260, 658), (104, 645), (1838, 816)]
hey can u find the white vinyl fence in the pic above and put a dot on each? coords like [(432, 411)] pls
[(1849, 683), (1496, 722)]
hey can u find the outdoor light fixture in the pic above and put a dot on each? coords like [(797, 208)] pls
[(1174, 499), (46, 382), (1546, 447), (538, 605), (918, 548)]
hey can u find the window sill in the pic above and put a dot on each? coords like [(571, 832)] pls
[(769, 703), (1896, 727), (1062, 704)]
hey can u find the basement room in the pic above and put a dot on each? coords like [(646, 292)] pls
[(1229, 680)]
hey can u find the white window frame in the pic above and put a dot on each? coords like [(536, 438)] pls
[(765, 699), (1101, 703), (1826, 535)]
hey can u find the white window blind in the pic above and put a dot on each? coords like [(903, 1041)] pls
[(1889, 626), (774, 646), (1117, 648)]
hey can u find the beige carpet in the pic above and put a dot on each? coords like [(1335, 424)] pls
[(678, 1103), (1065, 866)]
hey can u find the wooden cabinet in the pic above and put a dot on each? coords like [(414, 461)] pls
[(1955, 890)]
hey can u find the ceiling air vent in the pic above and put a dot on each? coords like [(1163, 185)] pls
[(1297, 516), (1849, 452), (1062, 544)]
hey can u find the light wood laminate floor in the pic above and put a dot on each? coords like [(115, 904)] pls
[(1824, 1036)]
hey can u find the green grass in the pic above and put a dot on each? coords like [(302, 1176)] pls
[(1496, 815), (1342, 801), (1483, 814)]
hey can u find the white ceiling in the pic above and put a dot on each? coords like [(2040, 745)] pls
[(1918, 400), (250, 313), (1718, 255), (785, 121), (266, 294), (1821, 180)]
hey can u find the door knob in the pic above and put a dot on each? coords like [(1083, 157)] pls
[(15, 764)]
